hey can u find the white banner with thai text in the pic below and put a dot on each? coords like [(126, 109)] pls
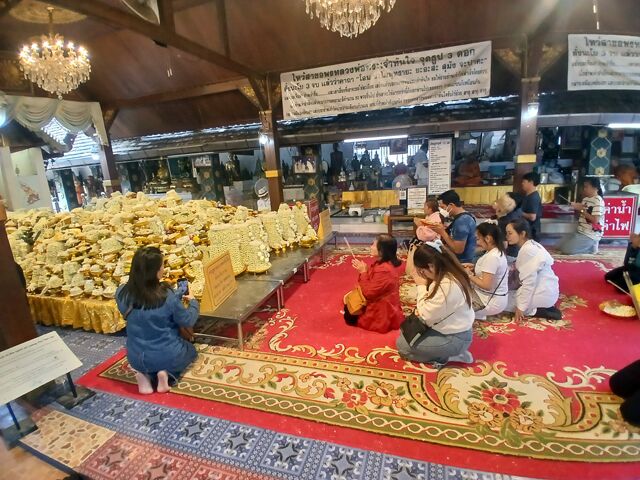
[(452, 73), (603, 62)]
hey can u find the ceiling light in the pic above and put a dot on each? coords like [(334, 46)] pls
[(621, 126), (53, 66)]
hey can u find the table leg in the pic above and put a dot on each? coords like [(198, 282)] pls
[(280, 296), (305, 271), (240, 337)]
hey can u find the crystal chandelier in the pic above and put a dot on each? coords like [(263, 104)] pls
[(52, 66), (348, 17)]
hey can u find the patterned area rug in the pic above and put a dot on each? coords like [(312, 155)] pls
[(112, 437), (539, 389)]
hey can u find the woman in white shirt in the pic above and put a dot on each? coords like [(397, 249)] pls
[(489, 275), (539, 290), (444, 306)]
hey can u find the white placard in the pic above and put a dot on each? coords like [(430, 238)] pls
[(402, 194), (439, 165), (416, 196), (452, 73), (31, 364), (603, 62)]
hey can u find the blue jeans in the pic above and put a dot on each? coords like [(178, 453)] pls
[(578, 243), (434, 346)]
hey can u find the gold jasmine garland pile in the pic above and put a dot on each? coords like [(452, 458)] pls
[(88, 252)]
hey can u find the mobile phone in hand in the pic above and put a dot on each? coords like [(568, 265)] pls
[(182, 287)]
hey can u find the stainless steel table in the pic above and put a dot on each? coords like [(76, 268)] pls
[(255, 289), (237, 308), (285, 265)]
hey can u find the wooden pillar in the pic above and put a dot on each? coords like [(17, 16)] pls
[(271, 146), (111, 179), (526, 151), (16, 325)]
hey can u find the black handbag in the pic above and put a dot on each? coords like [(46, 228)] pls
[(413, 328)]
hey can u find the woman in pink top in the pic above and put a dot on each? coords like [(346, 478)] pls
[(432, 213)]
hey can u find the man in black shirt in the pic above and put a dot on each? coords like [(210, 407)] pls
[(532, 203)]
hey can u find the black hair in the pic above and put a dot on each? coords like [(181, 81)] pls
[(450, 196), (144, 290), (521, 225), (595, 183), (388, 249), (432, 204), (489, 229), (443, 263), (517, 197), (532, 177)]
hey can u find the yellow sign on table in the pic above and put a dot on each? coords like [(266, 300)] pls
[(325, 228), (219, 282)]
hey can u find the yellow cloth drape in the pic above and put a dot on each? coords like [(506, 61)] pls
[(469, 195), (372, 198), (488, 195), (100, 316)]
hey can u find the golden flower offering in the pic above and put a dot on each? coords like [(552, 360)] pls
[(617, 309), (89, 251)]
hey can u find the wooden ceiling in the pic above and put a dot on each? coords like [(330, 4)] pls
[(218, 43)]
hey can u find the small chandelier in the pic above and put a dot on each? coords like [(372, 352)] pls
[(348, 17), (52, 66)]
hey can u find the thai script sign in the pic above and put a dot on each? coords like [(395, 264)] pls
[(452, 73), (620, 215), (603, 62)]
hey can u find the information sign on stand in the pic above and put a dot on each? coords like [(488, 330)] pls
[(439, 165), (219, 282), (30, 365), (326, 228), (416, 196)]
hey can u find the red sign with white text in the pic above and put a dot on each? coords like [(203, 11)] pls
[(620, 213), (314, 212)]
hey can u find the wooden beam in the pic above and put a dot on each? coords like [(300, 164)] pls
[(199, 91), (6, 6), (166, 15), (224, 28), (120, 19)]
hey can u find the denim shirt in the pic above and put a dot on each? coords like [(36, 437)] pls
[(153, 338)]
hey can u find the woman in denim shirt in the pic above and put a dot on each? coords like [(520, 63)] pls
[(154, 315)]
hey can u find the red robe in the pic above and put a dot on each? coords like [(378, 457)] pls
[(380, 285)]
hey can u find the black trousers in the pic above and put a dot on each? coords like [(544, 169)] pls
[(349, 318), (626, 384), (615, 276)]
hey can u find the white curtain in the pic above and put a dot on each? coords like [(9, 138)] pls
[(35, 112)]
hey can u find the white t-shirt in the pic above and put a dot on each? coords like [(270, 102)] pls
[(448, 311), (495, 263), (593, 206)]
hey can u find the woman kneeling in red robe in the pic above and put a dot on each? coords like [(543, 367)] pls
[(380, 285)]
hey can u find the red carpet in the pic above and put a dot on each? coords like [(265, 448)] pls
[(572, 358)]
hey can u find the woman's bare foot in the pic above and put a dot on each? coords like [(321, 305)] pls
[(144, 384), (163, 382)]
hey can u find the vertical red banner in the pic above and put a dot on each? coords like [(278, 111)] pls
[(314, 212)]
